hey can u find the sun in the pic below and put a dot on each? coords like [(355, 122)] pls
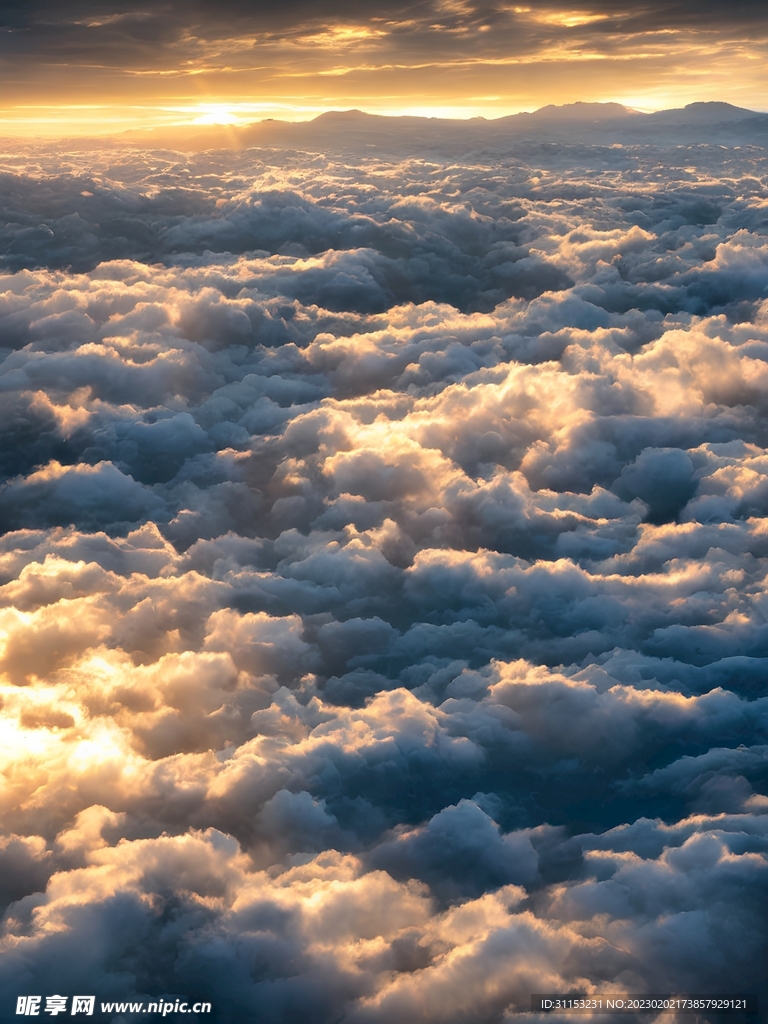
[(215, 113)]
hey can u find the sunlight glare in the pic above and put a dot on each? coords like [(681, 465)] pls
[(216, 113), (565, 19)]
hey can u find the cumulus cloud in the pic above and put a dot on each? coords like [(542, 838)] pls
[(383, 578)]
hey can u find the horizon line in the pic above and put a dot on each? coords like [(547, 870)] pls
[(218, 115)]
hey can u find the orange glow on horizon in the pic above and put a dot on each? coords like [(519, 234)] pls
[(76, 120)]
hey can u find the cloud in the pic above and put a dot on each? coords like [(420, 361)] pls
[(459, 853), (194, 913), (382, 579), (58, 495), (202, 33)]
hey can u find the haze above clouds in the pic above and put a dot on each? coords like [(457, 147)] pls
[(384, 574)]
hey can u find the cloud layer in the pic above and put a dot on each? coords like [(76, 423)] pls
[(383, 578)]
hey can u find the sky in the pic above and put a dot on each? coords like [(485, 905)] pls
[(383, 524), (99, 67)]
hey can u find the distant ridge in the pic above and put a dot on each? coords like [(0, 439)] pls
[(579, 111), (569, 124), (712, 112)]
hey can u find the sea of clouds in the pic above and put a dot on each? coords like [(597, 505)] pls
[(384, 566)]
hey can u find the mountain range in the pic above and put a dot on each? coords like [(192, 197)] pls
[(573, 123)]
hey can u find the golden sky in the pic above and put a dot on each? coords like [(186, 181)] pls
[(102, 66)]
